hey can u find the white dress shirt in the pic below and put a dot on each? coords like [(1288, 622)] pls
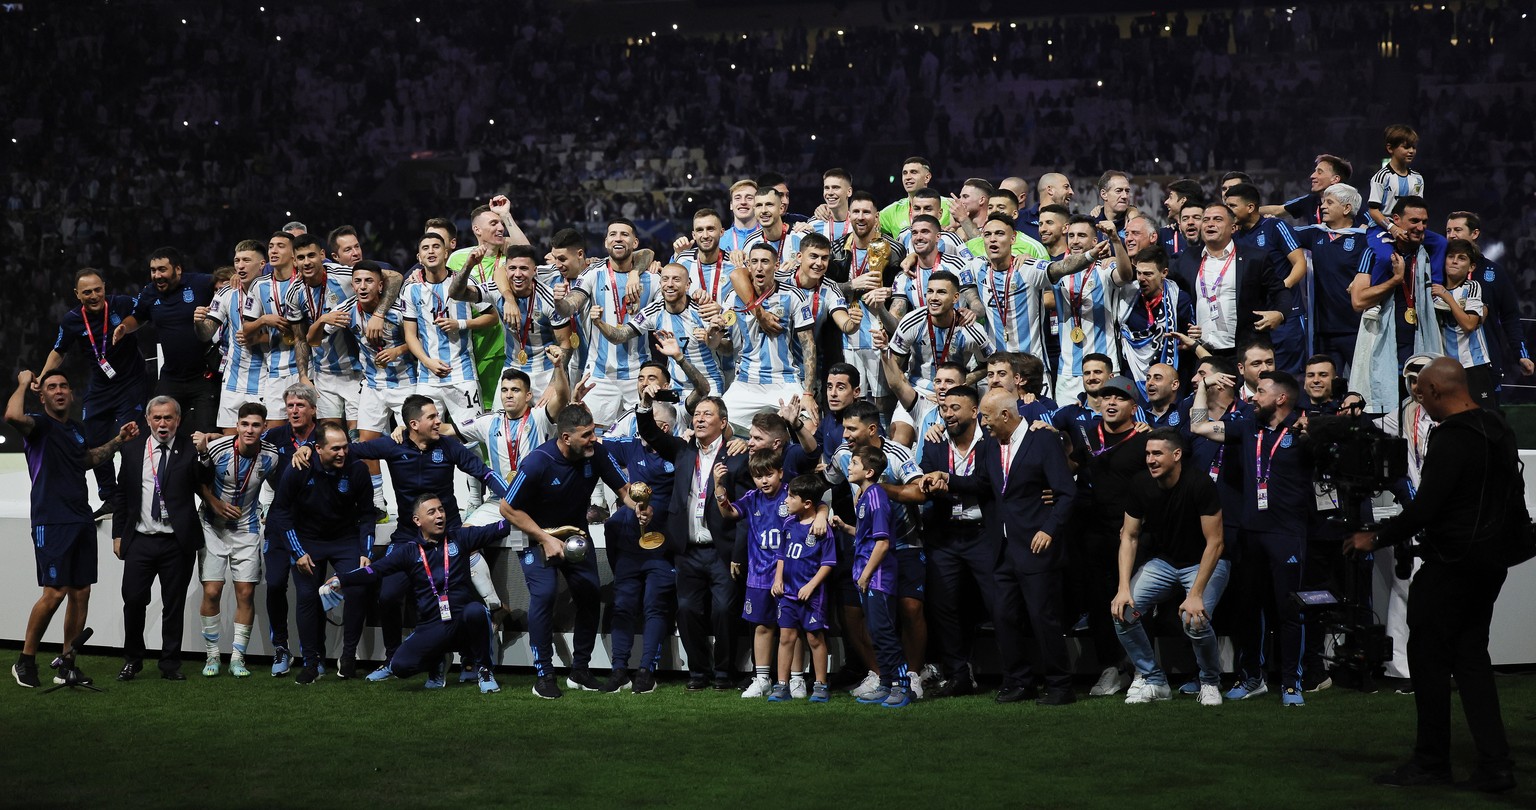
[(147, 490)]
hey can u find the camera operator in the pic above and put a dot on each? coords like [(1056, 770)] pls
[(1451, 601)]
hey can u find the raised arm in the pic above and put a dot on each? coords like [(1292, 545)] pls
[(1200, 421), (16, 406), (906, 395)]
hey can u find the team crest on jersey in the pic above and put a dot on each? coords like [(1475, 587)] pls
[(343, 485), (861, 511), (668, 467), (1285, 441), (783, 509), (1261, 240), (528, 557), (75, 434), (437, 455), (116, 320), (1488, 277), (453, 549), (1349, 244), (186, 295), (810, 541), (747, 606), (1173, 419)]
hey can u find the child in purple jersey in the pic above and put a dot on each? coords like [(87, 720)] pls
[(874, 572), (763, 509), (804, 563)]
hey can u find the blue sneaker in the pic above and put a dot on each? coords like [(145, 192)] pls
[(820, 693), (1292, 697), (435, 680), (780, 694), (383, 673), (1253, 687), (1191, 688), (900, 697), (879, 695), (488, 682), (281, 661)]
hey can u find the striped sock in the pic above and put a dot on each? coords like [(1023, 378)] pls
[(211, 633), (761, 672), (242, 638)]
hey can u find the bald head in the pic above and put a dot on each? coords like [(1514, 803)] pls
[(1000, 412), (1055, 189), (1442, 388), (1018, 185)]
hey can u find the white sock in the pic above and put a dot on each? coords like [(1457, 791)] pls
[(211, 634), (378, 491), (761, 673), (242, 639), (796, 676)]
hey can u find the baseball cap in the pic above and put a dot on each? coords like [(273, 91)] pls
[(1121, 385)]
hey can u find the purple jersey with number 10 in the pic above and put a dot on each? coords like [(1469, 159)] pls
[(765, 531), (874, 524), (803, 555)]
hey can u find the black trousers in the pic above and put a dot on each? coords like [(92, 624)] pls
[(707, 604), (198, 398), (961, 566), (150, 557), (1035, 599), (341, 557), (1094, 573), (1449, 610)]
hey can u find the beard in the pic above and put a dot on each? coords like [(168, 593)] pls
[(1264, 413)]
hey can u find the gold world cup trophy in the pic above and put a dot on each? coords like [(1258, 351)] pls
[(640, 493), (879, 254)]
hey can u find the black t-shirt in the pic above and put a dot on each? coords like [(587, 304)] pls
[(1109, 468), (1170, 518)]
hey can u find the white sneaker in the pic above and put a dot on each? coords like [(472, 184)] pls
[(1137, 684), (759, 689), (867, 687), (1111, 681), (1150, 692), (797, 687), (1210, 694), (932, 677), (916, 689)]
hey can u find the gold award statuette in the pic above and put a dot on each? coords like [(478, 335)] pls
[(640, 493), (879, 254)]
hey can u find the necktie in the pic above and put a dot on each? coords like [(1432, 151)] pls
[(157, 510)]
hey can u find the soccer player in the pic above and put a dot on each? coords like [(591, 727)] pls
[(1335, 247), (63, 529), (1010, 287), (864, 267), (1159, 320), (510, 435), (832, 219), (449, 617), (298, 431), (802, 565), (1002, 201), (1459, 305), (170, 302), (265, 320), (244, 365), (933, 335), (1088, 305), (773, 231), (438, 330), (118, 383), (1395, 180), (327, 507), (925, 202), (918, 267), (331, 366), (744, 229), (707, 263), (674, 321), (238, 464), (494, 231), (875, 571), (768, 323), (916, 173), (1179, 518), (527, 310), (552, 489), (918, 413), (764, 510)]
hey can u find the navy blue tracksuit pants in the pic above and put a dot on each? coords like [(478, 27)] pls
[(340, 557), (543, 585), (881, 621), (469, 633)]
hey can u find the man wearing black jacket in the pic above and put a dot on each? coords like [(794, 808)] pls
[(1237, 292), (156, 533), (1468, 505)]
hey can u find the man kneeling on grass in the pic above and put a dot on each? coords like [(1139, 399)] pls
[(452, 615), (1180, 518)]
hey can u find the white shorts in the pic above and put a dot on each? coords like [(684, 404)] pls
[(611, 398), (487, 514), (375, 406), (744, 399), (1067, 389), (871, 378), (229, 407), (456, 402), (229, 555), (337, 395), (903, 416), (272, 389)]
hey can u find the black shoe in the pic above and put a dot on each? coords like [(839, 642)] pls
[(963, 683), (1489, 780), (546, 688), (584, 680), (102, 512), (129, 671), (697, 683), (1056, 697), (25, 673), (68, 673), (725, 684), (346, 668), (1014, 694), (644, 682), (308, 675), (618, 680), (1412, 774), (172, 675)]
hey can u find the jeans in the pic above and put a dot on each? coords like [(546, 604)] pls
[(1158, 581)]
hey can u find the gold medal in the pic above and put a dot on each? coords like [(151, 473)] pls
[(522, 357), (1078, 336), (575, 341), (1411, 316), (650, 541), (729, 316)]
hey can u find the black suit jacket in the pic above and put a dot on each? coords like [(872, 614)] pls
[(1012, 514), (179, 486), (1260, 285), (684, 456)]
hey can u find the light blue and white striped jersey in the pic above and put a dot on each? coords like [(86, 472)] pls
[(627, 428), (1090, 300), (713, 278), (507, 440), (605, 288), (826, 299), (736, 238), (769, 359), (949, 244), (656, 317), (1012, 301), (1469, 348), (787, 248), (269, 297), (337, 353), (237, 482), (244, 366), (425, 302), (901, 467), (922, 344), (922, 416), (399, 374), (832, 229), (915, 290), (342, 274), (858, 265), (1387, 187), (536, 325)]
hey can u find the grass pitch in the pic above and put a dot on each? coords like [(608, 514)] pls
[(266, 742)]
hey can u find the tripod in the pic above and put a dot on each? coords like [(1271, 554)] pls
[(72, 674)]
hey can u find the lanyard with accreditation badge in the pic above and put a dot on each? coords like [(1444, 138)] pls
[(442, 597), (1262, 466), (90, 337)]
